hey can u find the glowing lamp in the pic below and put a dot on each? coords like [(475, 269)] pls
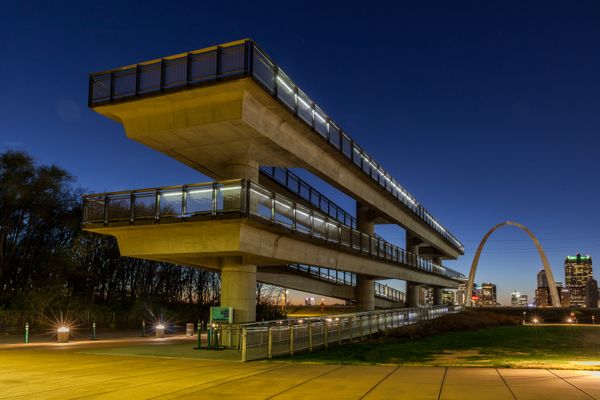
[(63, 334), (160, 330)]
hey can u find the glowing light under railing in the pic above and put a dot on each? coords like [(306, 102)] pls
[(170, 194), (301, 100), (259, 193), (302, 213), (199, 191), (281, 204), (285, 85), (224, 189), (320, 117)]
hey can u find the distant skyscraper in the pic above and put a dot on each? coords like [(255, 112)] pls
[(448, 297), (542, 293), (591, 294), (578, 271), (523, 300), (514, 299), (488, 294), (460, 294), (565, 297)]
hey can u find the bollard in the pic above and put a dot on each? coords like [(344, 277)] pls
[(94, 330), (189, 329), (209, 333), (160, 330), (199, 334), (26, 332), (143, 328), (63, 334)]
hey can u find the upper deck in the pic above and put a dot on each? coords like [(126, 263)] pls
[(185, 78)]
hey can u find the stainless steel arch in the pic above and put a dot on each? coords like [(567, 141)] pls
[(549, 275)]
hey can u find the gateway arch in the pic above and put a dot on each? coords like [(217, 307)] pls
[(549, 275)]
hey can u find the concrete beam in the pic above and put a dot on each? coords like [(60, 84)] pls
[(199, 243)]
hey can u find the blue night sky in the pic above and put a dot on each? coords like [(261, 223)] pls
[(484, 112)]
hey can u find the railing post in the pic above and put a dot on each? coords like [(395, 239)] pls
[(270, 344), (131, 208), (214, 199), (183, 202), (156, 206), (291, 340), (106, 200), (310, 338), (272, 207), (244, 344)]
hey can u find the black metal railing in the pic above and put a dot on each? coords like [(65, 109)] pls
[(245, 199), (245, 59), (349, 279)]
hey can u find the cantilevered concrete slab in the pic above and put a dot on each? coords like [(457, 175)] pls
[(205, 243), (238, 122)]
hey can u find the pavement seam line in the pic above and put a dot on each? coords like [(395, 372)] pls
[(302, 383), (576, 387), (442, 384), (378, 383), (506, 383), (238, 377)]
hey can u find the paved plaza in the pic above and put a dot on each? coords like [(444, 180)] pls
[(73, 371)]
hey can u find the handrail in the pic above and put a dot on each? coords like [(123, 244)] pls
[(348, 279), (249, 200), (245, 59)]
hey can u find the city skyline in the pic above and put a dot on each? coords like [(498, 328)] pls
[(475, 126)]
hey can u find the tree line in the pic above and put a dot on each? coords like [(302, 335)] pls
[(48, 265)]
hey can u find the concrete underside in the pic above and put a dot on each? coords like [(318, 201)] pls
[(204, 244), (287, 278), (209, 128)]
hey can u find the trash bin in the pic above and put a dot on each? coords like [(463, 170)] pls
[(189, 329)]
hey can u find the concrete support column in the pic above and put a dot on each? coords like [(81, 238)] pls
[(437, 295), (365, 287), (242, 169), (364, 219), (238, 288), (413, 294), (365, 293)]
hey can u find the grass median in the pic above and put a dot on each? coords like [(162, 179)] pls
[(461, 340)]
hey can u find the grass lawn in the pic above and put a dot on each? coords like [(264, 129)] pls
[(507, 346)]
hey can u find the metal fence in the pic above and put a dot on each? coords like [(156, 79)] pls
[(287, 337), (245, 59), (242, 198)]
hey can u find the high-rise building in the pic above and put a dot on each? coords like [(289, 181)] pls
[(565, 297), (461, 294), (523, 300), (448, 297), (591, 294), (488, 294), (542, 293), (578, 271), (514, 299), (542, 279)]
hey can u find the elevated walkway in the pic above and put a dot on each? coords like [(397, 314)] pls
[(197, 224), (230, 105)]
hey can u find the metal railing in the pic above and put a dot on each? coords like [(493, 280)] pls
[(349, 279), (242, 198), (287, 337), (245, 59), (306, 192)]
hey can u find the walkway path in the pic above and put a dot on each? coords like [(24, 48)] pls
[(72, 372)]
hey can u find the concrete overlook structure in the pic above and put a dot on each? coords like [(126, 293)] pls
[(229, 112)]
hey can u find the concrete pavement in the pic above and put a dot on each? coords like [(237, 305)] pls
[(64, 373)]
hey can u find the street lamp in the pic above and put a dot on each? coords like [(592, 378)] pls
[(63, 334)]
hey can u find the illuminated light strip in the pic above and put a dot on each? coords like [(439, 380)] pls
[(320, 117), (259, 193), (281, 204), (281, 81), (303, 213), (229, 188), (170, 194), (200, 191), (301, 100)]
